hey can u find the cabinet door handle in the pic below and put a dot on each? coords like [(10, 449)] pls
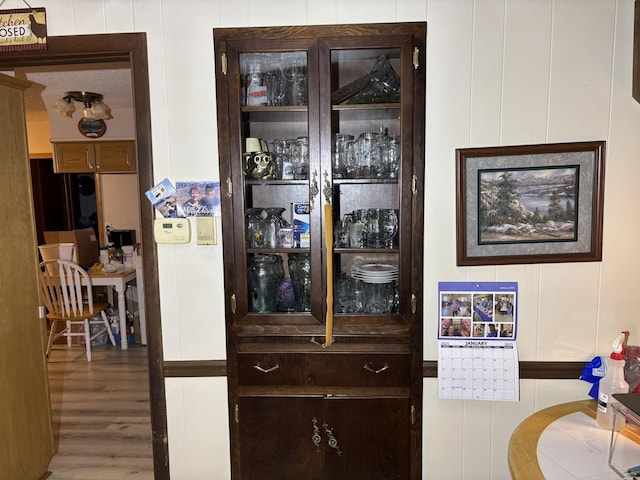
[(266, 370), (313, 190), (372, 370), (86, 156), (327, 190)]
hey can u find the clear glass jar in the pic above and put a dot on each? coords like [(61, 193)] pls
[(264, 272)]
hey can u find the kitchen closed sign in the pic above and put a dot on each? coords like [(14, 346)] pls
[(23, 29)]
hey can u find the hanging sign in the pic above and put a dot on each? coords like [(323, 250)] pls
[(23, 29)]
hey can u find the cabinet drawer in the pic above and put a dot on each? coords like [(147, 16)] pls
[(343, 370)]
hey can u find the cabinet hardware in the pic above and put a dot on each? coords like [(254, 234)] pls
[(266, 370), (414, 185), (229, 187), (236, 414), (233, 303), (126, 158), (316, 438), (86, 156), (327, 190), (313, 190), (413, 415), (373, 370), (331, 439), (224, 63), (416, 58), (414, 303)]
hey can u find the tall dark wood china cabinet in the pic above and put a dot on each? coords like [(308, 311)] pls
[(321, 148)]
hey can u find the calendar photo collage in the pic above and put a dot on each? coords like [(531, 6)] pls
[(477, 315)]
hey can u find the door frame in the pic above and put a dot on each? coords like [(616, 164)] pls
[(128, 47)]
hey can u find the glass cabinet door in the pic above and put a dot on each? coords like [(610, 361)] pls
[(275, 167), (316, 124), (366, 157), (370, 137)]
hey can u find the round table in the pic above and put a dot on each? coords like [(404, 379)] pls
[(523, 445)]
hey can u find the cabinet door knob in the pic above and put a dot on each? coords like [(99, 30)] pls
[(373, 370), (266, 370)]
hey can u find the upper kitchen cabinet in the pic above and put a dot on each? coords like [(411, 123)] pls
[(321, 155), (94, 157)]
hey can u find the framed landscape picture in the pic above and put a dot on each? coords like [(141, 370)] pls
[(530, 203)]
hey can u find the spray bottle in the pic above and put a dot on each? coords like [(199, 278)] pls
[(613, 382)]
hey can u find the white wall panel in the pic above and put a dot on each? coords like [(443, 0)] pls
[(528, 278), (365, 11), (621, 225), (189, 76), (234, 13), (197, 419), (487, 72), (580, 80), (288, 12), (89, 16), (60, 15), (447, 127), (200, 303), (411, 10), (475, 455), (443, 424), (147, 16), (526, 71), (321, 12), (568, 311), (119, 15)]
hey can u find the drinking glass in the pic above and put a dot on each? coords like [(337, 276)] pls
[(389, 227), (393, 156), (300, 271), (300, 158), (276, 81)]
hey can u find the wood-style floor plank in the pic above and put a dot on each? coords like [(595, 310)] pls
[(101, 418)]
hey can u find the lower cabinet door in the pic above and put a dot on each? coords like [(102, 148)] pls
[(338, 438)]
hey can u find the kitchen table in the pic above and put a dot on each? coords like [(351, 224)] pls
[(118, 280)]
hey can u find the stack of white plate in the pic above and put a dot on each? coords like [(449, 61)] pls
[(375, 272)]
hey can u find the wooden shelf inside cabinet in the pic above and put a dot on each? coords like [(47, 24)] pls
[(267, 251), (365, 181), (270, 114), (365, 250), (358, 111), (365, 106), (276, 182)]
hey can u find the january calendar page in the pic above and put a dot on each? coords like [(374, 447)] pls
[(477, 349)]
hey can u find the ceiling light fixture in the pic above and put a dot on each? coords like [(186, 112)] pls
[(94, 106)]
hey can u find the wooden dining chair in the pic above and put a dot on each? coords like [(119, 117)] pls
[(68, 296)]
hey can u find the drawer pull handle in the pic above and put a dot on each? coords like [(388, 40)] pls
[(267, 370), (380, 370)]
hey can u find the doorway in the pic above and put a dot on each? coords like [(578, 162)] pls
[(127, 47)]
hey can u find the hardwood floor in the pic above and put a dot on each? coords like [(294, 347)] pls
[(100, 409)]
